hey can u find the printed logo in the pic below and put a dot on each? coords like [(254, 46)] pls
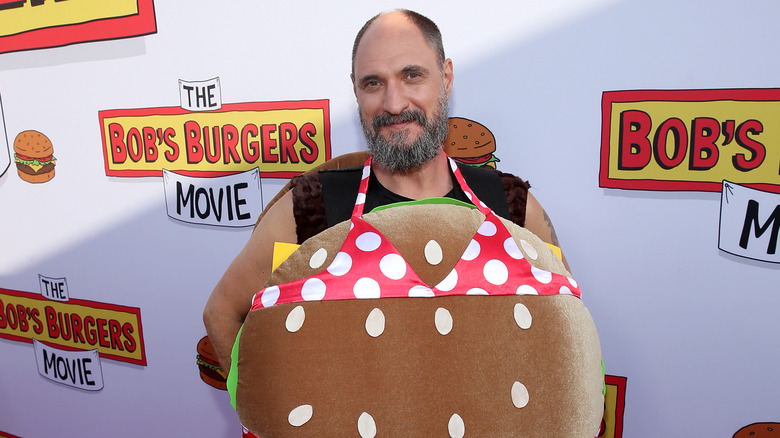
[(211, 372), (471, 143), (34, 157), (36, 24), (690, 140), (74, 325), (282, 139)]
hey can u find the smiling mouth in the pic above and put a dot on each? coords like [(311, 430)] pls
[(400, 121), (399, 125)]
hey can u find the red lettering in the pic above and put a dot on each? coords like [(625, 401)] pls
[(89, 330), (22, 314), (249, 148), (288, 136), (679, 133), (634, 149), (127, 330), (66, 334), (212, 154), (36, 317), (150, 144), (134, 138), (268, 143), (193, 146), (704, 152), (75, 322), (229, 143), (172, 154), (11, 317), (102, 333), (51, 322), (756, 149), (310, 152), (115, 332), (118, 147)]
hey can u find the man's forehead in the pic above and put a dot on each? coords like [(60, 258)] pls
[(392, 39)]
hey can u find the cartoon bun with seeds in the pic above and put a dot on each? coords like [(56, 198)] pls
[(464, 327), (33, 157), (208, 365), (470, 142), (759, 430)]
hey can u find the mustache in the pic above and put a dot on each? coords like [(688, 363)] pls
[(405, 116)]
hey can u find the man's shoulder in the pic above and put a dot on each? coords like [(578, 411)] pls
[(342, 171), (487, 172), (345, 178), (504, 192)]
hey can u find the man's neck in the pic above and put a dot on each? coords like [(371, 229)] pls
[(429, 180)]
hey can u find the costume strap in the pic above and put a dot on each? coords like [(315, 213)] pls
[(360, 201)]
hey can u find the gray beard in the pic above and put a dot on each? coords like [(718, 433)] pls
[(394, 153)]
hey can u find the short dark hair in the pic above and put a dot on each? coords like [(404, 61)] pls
[(428, 28)]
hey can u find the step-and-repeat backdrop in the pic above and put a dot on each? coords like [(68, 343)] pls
[(140, 139)]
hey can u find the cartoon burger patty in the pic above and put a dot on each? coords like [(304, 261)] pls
[(470, 142), (33, 157), (210, 371)]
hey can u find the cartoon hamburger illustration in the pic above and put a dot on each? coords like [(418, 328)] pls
[(759, 430), (210, 371), (471, 143), (33, 157)]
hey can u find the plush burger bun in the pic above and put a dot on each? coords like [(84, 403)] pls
[(470, 142), (389, 367), (33, 157), (210, 371)]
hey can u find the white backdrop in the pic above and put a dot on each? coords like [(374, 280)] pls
[(694, 330)]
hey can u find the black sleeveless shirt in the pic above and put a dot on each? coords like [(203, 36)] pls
[(326, 198)]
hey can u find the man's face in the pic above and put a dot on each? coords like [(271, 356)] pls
[(402, 93), (399, 153)]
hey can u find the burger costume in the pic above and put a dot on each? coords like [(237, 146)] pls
[(428, 318), (319, 201)]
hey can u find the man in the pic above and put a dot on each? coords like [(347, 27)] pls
[(402, 82)]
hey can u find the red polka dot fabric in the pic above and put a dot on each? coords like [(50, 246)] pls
[(369, 266)]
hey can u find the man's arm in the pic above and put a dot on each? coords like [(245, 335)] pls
[(230, 300), (538, 222)]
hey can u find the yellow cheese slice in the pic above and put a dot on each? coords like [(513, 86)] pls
[(281, 252)]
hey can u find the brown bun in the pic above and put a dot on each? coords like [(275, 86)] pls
[(210, 371), (33, 157), (388, 363), (759, 430), (470, 142)]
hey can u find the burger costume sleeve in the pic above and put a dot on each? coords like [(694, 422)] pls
[(323, 199)]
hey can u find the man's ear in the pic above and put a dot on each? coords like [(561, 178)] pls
[(448, 76), (354, 88)]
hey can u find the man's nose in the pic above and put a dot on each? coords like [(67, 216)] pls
[(396, 99)]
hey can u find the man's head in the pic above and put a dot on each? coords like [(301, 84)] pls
[(402, 83), (428, 28)]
